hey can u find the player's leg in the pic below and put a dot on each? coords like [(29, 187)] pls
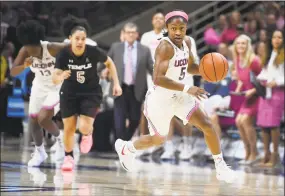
[(169, 149), (186, 132), (68, 109), (35, 104), (88, 108), (216, 124), (69, 124), (200, 120), (159, 117), (239, 124), (86, 128), (45, 120)]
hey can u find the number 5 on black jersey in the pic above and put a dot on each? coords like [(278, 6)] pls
[(80, 76)]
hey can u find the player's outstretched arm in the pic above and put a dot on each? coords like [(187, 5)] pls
[(21, 62), (193, 68), (163, 54)]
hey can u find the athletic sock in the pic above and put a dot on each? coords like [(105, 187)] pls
[(218, 158), (41, 147), (69, 154)]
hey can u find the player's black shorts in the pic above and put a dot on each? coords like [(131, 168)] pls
[(80, 103)]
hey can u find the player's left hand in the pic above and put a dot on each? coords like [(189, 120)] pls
[(117, 90), (271, 84)]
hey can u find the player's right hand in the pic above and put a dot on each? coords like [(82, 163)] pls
[(198, 92), (65, 74), (28, 62)]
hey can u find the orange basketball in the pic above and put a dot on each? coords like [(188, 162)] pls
[(213, 67)]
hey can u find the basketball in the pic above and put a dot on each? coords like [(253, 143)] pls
[(213, 67)]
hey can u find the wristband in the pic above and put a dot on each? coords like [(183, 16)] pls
[(186, 88)]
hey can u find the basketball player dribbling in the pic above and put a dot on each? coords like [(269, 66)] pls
[(169, 97), (81, 93), (40, 57)]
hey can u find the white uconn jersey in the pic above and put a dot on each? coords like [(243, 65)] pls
[(43, 68), (178, 64)]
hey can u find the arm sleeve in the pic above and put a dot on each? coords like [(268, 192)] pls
[(100, 54), (61, 60)]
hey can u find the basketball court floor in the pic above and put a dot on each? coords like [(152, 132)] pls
[(101, 174)]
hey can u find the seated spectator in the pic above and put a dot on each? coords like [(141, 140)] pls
[(271, 108)]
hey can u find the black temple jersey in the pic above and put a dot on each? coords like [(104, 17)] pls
[(83, 68)]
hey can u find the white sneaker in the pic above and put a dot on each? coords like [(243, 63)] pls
[(224, 173), (38, 157), (126, 160), (168, 151), (53, 147), (37, 176)]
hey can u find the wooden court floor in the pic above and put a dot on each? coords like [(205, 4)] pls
[(100, 174)]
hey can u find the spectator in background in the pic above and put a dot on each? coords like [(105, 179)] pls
[(132, 61), (271, 108), (261, 52), (245, 62), (270, 24), (9, 15), (258, 16), (280, 20), (222, 24), (251, 30), (152, 38), (212, 35), (231, 32), (262, 37)]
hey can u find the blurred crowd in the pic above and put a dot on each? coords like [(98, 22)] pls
[(250, 97)]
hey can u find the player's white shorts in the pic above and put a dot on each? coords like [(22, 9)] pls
[(159, 109), (46, 98)]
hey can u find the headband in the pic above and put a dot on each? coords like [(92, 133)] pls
[(176, 13)]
